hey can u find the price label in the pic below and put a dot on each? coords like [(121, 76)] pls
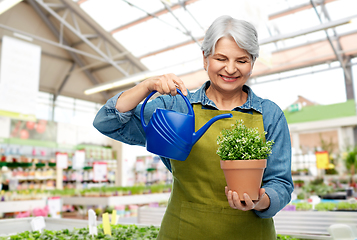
[(100, 171), (61, 160), (106, 224), (54, 206), (322, 160), (79, 159)]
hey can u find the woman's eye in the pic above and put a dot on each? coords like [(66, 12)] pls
[(242, 61), (220, 59)]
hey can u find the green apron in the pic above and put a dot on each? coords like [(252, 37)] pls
[(198, 208)]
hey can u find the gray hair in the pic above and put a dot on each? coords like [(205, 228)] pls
[(243, 32)]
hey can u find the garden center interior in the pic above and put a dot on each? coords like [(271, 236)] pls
[(61, 60)]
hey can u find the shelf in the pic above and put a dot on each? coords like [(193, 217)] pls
[(25, 164), (117, 200), (34, 178), (303, 177), (14, 226), (21, 206)]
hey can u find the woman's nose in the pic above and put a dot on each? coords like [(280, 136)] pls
[(231, 68)]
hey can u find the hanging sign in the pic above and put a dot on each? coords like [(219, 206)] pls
[(19, 76), (5, 127)]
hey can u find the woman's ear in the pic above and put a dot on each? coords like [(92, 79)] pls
[(251, 70), (205, 63)]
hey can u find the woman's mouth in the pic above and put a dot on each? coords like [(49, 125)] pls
[(229, 79)]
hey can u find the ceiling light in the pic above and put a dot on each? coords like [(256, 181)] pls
[(7, 4), (180, 69), (353, 20), (121, 83)]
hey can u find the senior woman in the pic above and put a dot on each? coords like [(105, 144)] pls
[(200, 206)]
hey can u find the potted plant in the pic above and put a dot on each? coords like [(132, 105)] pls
[(243, 152)]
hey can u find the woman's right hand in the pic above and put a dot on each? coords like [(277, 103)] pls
[(165, 84)]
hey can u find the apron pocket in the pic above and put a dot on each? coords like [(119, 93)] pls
[(201, 221)]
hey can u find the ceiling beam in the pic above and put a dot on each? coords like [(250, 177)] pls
[(253, 81), (164, 11), (339, 56), (104, 35), (48, 54), (170, 48), (272, 39), (56, 44), (151, 16), (79, 34), (180, 22), (75, 57), (315, 41), (81, 1), (296, 9), (322, 26), (63, 83)]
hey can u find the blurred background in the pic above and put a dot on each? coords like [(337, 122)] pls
[(61, 60)]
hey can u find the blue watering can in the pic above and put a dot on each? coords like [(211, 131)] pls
[(172, 134)]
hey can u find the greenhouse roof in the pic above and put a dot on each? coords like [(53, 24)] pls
[(321, 112)]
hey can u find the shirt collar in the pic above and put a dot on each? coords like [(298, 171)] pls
[(253, 101)]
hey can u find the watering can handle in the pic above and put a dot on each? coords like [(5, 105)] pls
[(190, 109)]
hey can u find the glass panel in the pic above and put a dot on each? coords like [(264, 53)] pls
[(308, 86), (341, 9), (354, 77), (64, 115)]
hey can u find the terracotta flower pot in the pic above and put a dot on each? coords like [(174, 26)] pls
[(244, 176)]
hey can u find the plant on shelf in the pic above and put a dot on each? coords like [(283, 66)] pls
[(285, 237), (351, 163), (332, 148), (325, 206), (303, 206), (315, 187), (119, 231), (347, 206), (243, 143)]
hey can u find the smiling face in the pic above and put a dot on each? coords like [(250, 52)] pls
[(229, 67)]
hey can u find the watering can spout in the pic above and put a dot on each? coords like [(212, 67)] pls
[(197, 135)]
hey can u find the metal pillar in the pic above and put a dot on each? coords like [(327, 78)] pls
[(336, 49)]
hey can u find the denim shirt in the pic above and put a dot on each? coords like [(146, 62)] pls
[(277, 181)]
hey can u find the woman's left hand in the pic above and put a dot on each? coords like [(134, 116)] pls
[(261, 204)]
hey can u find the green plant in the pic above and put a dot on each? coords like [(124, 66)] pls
[(346, 206), (332, 148), (285, 237), (328, 206), (303, 206), (157, 188), (317, 181), (351, 162), (119, 231), (317, 189), (243, 143)]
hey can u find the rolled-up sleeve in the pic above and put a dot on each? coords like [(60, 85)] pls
[(125, 127), (277, 179)]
